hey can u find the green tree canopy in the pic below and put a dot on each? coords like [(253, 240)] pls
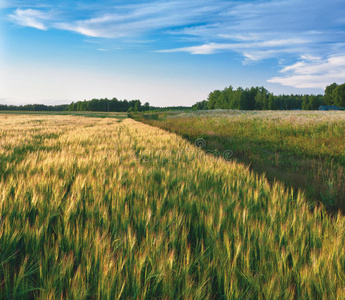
[(338, 95), (329, 100)]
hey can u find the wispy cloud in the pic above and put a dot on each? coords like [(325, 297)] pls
[(251, 50), (212, 19), (135, 19), (256, 29), (261, 25), (313, 72), (30, 18)]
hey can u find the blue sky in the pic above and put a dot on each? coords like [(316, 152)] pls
[(167, 52)]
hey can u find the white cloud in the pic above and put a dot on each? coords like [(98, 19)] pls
[(84, 30), (257, 29), (135, 19), (30, 18), (241, 37), (264, 26), (310, 57), (251, 50), (313, 72)]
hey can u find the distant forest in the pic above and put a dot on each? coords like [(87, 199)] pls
[(112, 105), (104, 105), (258, 98), (34, 107), (254, 98)]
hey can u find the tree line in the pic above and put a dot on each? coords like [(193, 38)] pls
[(34, 107), (258, 98), (112, 105), (254, 98), (98, 105)]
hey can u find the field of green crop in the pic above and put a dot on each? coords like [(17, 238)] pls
[(304, 150), (106, 208)]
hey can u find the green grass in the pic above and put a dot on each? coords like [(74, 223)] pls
[(97, 209), (304, 150)]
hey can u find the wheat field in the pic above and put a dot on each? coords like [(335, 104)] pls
[(106, 209)]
